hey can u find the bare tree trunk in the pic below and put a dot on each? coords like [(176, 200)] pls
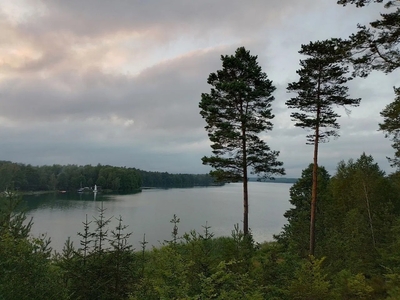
[(314, 194), (245, 205), (369, 214), (245, 189), (315, 177)]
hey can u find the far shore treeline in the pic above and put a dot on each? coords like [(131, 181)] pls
[(25, 177)]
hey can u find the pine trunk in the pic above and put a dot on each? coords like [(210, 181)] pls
[(314, 194), (315, 174), (245, 205), (245, 188)]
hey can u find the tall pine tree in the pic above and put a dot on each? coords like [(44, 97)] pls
[(320, 87), (376, 47), (391, 127), (237, 110)]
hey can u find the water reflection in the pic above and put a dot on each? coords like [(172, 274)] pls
[(149, 212), (62, 200)]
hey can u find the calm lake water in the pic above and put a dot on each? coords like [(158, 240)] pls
[(149, 212)]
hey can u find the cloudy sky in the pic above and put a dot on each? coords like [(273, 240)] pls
[(119, 82)]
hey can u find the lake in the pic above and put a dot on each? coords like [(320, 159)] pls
[(149, 212)]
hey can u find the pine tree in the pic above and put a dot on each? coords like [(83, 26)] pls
[(295, 232), (320, 87), (391, 126), (362, 3), (237, 111), (376, 47)]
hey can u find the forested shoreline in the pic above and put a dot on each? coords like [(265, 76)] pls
[(25, 177), (356, 255)]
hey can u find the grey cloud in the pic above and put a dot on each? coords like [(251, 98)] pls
[(93, 17), (65, 108), (165, 96)]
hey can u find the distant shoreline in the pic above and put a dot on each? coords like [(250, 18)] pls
[(276, 180)]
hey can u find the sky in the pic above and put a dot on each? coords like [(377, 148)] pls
[(119, 82)]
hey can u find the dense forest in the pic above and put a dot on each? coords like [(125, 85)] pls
[(22, 177), (356, 256)]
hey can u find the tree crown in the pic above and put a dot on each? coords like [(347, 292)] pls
[(320, 87), (237, 110), (361, 3)]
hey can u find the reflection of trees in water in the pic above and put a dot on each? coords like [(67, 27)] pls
[(61, 200)]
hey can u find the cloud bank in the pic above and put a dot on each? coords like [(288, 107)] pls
[(119, 82)]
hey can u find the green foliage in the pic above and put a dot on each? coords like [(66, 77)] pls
[(26, 268), (310, 282), (104, 267), (357, 231), (244, 249), (320, 87), (390, 253), (118, 179), (167, 180), (295, 234), (165, 271), (361, 215), (72, 177), (361, 3), (348, 286), (391, 126), (237, 111), (12, 222), (10, 175), (199, 250), (356, 218), (26, 271), (168, 274), (184, 266), (225, 284), (350, 244), (175, 237), (273, 267), (376, 47), (393, 283)]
